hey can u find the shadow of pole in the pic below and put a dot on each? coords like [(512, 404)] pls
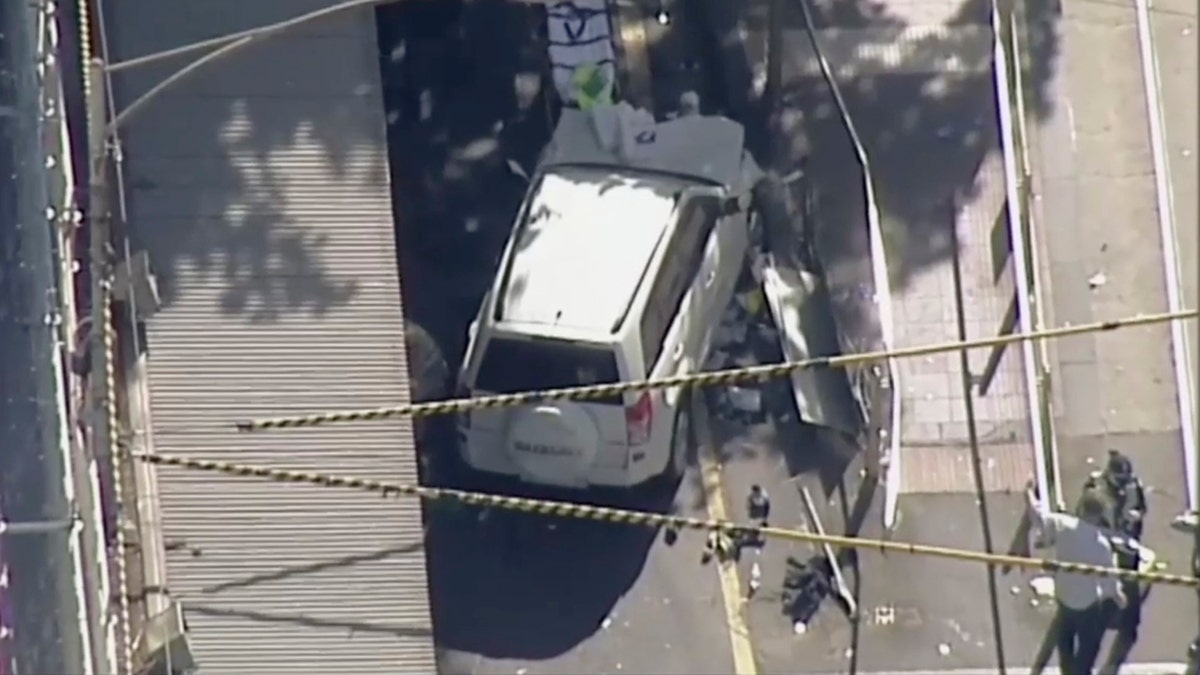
[(1046, 648), (973, 434), (854, 519)]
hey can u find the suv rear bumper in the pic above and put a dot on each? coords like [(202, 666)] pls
[(490, 458)]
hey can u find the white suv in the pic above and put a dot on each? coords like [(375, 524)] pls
[(613, 273)]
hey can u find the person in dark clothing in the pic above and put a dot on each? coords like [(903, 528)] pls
[(1126, 496), (721, 545), (1128, 618), (758, 510), (1120, 485), (1083, 613), (805, 586), (758, 505)]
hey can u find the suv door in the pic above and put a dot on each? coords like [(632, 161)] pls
[(701, 216), (673, 324)]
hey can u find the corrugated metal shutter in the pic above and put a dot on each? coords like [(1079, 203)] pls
[(260, 189)]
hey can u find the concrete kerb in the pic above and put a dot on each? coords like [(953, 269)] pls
[(1020, 253), (1032, 242), (1184, 376), (1034, 238)]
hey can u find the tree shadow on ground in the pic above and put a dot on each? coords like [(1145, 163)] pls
[(463, 93), (923, 101), (237, 179), (514, 585), (925, 110)]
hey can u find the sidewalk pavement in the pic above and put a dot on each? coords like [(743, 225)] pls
[(1096, 217)]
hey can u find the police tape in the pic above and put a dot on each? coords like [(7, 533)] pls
[(631, 517), (731, 376)]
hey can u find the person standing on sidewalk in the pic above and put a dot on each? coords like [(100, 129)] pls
[(1120, 484), (1082, 617)]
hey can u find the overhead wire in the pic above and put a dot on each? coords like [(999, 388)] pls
[(548, 507), (730, 376), (253, 33)]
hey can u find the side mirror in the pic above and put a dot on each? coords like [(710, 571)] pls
[(515, 168)]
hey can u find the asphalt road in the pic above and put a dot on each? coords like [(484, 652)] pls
[(513, 593), (916, 614), (1104, 259)]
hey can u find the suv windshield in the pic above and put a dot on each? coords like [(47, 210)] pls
[(515, 365)]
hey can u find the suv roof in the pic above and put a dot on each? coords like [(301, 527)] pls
[(583, 246)]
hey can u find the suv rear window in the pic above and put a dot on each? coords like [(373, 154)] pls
[(514, 365)]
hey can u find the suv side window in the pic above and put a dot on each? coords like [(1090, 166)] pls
[(681, 264)]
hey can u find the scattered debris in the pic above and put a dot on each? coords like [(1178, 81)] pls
[(1043, 587), (744, 399), (840, 585), (729, 334), (944, 649)]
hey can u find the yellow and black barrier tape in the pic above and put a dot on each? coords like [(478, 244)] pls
[(707, 379), (649, 519)]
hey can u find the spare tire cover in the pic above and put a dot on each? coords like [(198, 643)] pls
[(553, 443)]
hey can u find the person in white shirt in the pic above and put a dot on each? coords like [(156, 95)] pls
[(1082, 618)]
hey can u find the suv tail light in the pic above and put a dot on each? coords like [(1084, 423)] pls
[(639, 418)]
